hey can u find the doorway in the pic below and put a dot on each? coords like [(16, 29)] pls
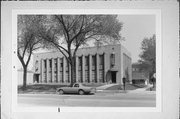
[(113, 76), (36, 78)]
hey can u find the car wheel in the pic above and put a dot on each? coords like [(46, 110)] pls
[(81, 92), (61, 92)]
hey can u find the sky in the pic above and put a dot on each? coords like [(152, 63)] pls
[(135, 29)]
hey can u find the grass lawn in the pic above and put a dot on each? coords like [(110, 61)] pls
[(48, 88), (40, 88), (51, 88)]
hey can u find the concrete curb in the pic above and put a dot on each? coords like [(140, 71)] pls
[(111, 91)]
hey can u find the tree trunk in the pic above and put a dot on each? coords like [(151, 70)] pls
[(24, 77), (73, 71)]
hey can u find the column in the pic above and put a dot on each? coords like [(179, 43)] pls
[(47, 70), (97, 68), (83, 68), (64, 69), (90, 67), (58, 69), (42, 70), (39, 70), (76, 68), (104, 67), (52, 73)]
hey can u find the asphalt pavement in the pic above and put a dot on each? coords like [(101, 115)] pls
[(97, 100)]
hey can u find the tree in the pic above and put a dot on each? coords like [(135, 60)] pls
[(148, 55), (28, 28), (74, 31)]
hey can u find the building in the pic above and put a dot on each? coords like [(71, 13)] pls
[(93, 64), (139, 76)]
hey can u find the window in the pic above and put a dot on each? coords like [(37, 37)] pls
[(93, 68), (76, 85), (86, 60), (101, 68), (86, 69), (61, 64), (50, 63), (80, 69), (36, 66), (55, 65), (79, 62), (45, 64), (93, 60), (112, 60)]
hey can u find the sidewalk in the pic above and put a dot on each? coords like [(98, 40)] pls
[(104, 87), (143, 90)]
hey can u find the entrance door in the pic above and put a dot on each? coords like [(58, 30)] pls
[(36, 78), (113, 76)]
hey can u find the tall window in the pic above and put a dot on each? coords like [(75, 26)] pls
[(45, 68), (50, 63), (36, 65), (67, 71), (50, 70), (44, 65), (87, 69), (101, 68), (112, 59), (61, 70), (55, 70), (80, 69), (93, 68)]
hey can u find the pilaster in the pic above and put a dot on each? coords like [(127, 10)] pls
[(97, 68), (47, 71), (90, 67), (52, 71), (64, 69), (83, 68), (58, 69)]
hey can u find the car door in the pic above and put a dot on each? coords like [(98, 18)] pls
[(67, 89), (75, 88)]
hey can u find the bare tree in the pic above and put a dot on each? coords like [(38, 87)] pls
[(76, 30), (28, 28)]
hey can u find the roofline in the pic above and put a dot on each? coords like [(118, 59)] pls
[(82, 48)]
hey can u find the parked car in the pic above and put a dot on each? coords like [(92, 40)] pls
[(77, 88)]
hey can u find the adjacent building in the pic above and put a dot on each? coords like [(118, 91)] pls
[(139, 76), (105, 64)]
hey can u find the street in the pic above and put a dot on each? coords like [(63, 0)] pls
[(97, 100)]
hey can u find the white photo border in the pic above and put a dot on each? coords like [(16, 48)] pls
[(156, 12)]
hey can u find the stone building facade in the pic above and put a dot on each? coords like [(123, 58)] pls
[(103, 64)]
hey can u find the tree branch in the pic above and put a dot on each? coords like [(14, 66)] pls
[(79, 31), (61, 21), (26, 45), (72, 24), (64, 54), (47, 38)]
